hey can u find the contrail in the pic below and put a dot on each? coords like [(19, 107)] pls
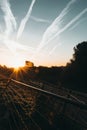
[(64, 12), (11, 24), (25, 19), (71, 22), (39, 19), (54, 48), (54, 27), (14, 46), (8, 17), (77, 23)]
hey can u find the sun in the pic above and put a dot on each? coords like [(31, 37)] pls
[(17, 63)]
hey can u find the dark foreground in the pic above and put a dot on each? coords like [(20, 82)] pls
[(24, 108)]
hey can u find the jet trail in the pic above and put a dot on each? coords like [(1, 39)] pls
[(8, 17), (14, 47), (54, 27), (39, 20), (54, 48), (71, 22), (25, 19), (77, 23), (11, 24)]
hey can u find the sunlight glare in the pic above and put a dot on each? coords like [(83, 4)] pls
[(17, 63)]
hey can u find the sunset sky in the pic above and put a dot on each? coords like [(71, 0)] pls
[(41, 31)]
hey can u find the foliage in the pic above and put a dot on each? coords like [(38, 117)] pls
[(75, 73)]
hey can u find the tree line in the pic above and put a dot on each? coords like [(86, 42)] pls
[(72, 76)]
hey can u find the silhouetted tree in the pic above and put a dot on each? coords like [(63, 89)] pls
[(75, 73), (50, 75)]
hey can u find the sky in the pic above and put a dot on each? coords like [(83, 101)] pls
[(42, 31)]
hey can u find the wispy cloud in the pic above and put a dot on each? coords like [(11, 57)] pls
[(11, 24), (71, 22), (77, 23), (51, 32), (54, 28), (25, 19), (0, 29), (8, 17), (54, 48), (15, 46), (40, 19)]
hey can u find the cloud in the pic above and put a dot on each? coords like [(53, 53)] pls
[(71, 22), (54, 28), (54, 48), (15, 47), (8, 17), (0, 29), (39, 19), (11, 24), (25, 19), (77, 23)]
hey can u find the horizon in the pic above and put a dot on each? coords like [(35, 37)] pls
[(41, 31), (24, 64)]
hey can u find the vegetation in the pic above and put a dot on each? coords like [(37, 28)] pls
[(73, 75), (23, 108)]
